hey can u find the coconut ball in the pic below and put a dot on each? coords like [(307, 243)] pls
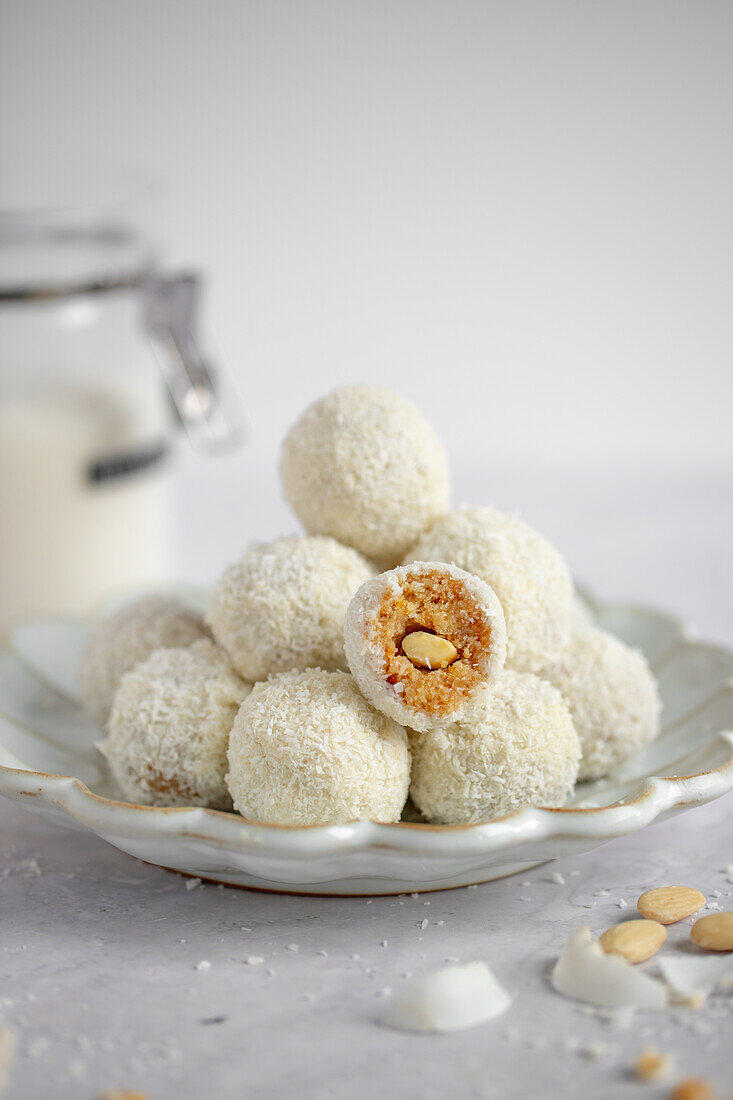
[(129, 636), (306, 748), (528, 575), (612, 696), (363, 465), (169, 727), (522, 750), (424, 641), (282, 606)]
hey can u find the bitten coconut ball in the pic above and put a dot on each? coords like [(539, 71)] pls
[(423, 643), (306, 748), (363, 465), (612, 696), (528, 575), (282, 606), (170, 725), (522, 750), (129, 636)]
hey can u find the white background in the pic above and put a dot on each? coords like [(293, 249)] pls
[(517, 213)]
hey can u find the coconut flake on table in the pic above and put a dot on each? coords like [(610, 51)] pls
[(584, 971), (693, 977), (449, 999)]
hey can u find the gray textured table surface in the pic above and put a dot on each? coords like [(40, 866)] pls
[(98, 952), (99, 980)]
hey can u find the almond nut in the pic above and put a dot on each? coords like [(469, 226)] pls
[(693, 1088), (635, 940), (428, 650), (668, 904), (116, 1094), (714, 933), (652, 1066)]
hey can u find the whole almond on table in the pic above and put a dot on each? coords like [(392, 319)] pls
[(651, 1065), (693, 1088), (714, 932), (635, 940), (668, 904), (116, 1094)]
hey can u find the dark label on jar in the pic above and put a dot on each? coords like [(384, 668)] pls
[(125, 465)]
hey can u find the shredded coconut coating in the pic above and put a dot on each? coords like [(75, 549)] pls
[(528, 575), (129, 636), (522, 750), (306, 749), (169, 727), (282, 606), (439, 599), (612, 695), (364, 466)]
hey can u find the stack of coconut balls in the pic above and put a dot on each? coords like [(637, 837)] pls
[(397, 647)]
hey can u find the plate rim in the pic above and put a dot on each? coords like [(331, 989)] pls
[(653, 796)]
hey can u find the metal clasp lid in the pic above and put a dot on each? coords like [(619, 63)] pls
[(204, 398)]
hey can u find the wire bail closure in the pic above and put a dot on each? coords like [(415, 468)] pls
[(204, 399)]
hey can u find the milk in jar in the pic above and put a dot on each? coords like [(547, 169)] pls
[(97, 365)]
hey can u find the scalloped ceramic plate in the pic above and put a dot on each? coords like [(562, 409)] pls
[(49, 764)]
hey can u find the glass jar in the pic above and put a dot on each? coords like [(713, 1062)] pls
[(88, 325)]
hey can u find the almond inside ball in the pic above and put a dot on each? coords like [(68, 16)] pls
[(437, 604)]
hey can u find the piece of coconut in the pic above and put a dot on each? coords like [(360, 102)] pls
[(691, 978), (449, 999), (586, 972)]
